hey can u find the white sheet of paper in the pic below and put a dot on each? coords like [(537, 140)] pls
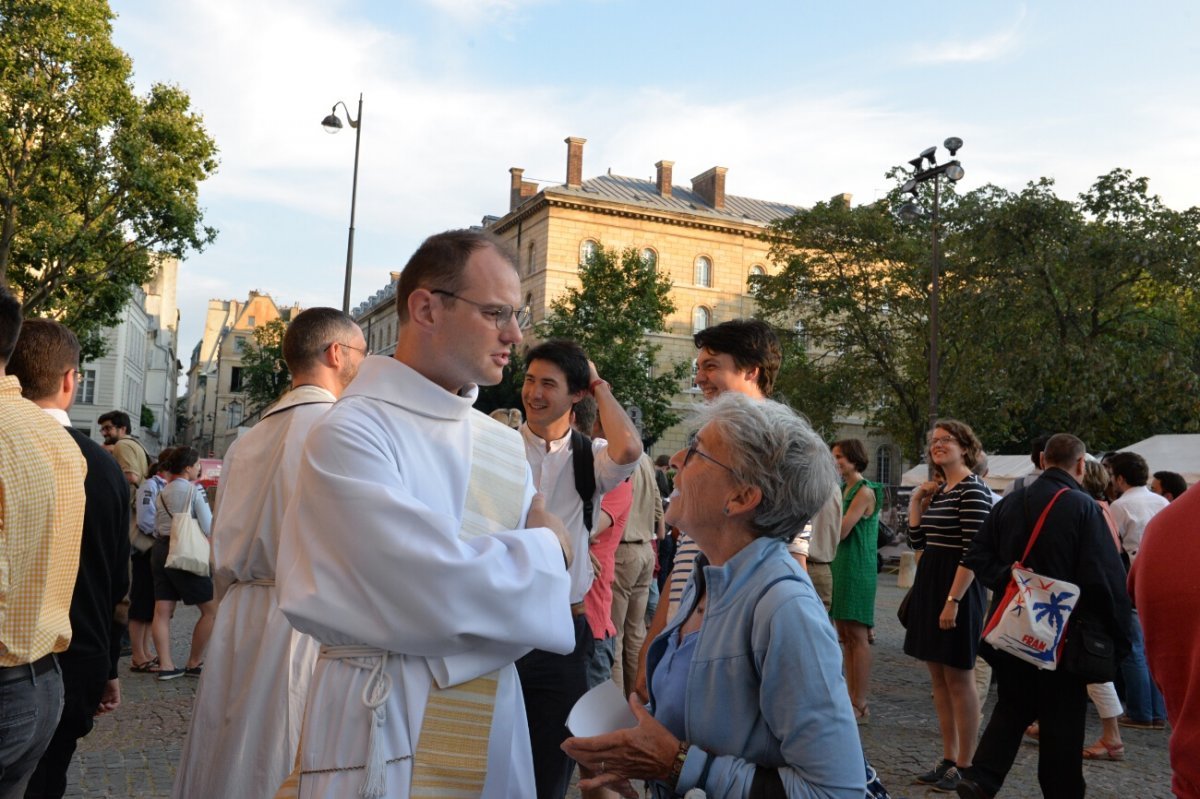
[(601, 710)]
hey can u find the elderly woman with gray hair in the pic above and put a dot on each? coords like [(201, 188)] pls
[(747, 697)]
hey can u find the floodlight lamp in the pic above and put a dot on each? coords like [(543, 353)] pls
[(953, 144), (955, 172), (917, 163), (910, 212), (930, 153), (331, 123), (910, 186)]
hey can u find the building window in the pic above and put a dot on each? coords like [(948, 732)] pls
[(85, 388), (529, 260), (587, 250), (701, 318), (883, 464), (755, 271), (801, 335), (235, 378), (235, 414), (250, 320), (703, 272), (695, 371), (239, 343), (649, 257)]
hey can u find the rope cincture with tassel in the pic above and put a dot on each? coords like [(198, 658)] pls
[(374, 697)]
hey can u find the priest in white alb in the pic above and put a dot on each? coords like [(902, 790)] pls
[(245, 724), (415, 552)]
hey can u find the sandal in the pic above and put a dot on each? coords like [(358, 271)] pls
[(1102, 750), (862, 715), (149, 667)]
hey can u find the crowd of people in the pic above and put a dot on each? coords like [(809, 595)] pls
[(407, 598)]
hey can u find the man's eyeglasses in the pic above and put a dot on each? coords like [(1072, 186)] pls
[(695, 450), (500, 314), (363, 350)]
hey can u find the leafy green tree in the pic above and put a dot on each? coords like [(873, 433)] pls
[(265, 374), (94, 179), (620, 299), (1055, 315)]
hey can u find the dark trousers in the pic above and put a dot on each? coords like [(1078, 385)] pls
[(83, 685), (29, 711), (552, 684), (1057, 701)]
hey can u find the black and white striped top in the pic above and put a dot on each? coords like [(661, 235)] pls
[(953, 516)]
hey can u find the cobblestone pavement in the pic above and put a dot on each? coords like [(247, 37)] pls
[(133, 752)]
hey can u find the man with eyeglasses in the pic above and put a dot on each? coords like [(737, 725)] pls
[(245, 725), (44, 361), (41, 515), (558, 374), (414, 551), (129, 452)]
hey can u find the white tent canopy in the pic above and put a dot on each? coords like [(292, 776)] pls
[(1002, 470), (1171, 453)]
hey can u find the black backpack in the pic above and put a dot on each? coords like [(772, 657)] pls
[(585, 474)]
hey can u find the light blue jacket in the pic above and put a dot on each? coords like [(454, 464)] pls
[(765, 685)]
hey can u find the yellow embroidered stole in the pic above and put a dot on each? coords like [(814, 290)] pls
[(451, 757)]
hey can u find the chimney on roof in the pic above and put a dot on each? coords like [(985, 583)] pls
[(664, 177), (710, 186), (519, 190), (574, 161), (843, 199)]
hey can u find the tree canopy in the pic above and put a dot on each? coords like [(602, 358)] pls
[(619, 300), (1055, 315), (265, 374), (94, 179)]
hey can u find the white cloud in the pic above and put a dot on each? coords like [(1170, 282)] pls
[(436, 149), (480, 11), (987, 48)]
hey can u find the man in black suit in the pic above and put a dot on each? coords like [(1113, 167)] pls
[(1074, 545), (46, 361)]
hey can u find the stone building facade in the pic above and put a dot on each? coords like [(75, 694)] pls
[(707, 241), (140, 368), (216, 401)]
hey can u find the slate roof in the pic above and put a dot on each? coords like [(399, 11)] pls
[(644, 193)]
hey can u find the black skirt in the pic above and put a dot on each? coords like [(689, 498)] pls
[(924, 639)]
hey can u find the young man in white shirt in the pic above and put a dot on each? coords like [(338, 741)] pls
[(558, 374)]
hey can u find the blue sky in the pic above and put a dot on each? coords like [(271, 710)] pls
[(800, 100)]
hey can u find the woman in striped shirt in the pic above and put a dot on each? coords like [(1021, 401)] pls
[(946, 609)]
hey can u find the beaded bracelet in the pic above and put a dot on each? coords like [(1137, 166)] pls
[(677, 765)]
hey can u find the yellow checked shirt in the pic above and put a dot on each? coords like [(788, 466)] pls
[(41, 524)]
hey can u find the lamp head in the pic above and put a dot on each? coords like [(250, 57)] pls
[(917, 163), (331, 123), (910, 185), (953, 144), (910, 212), (955, 172), (929, 153)]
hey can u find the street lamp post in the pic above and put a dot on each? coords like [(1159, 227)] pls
[(332, 124), (953, 171)]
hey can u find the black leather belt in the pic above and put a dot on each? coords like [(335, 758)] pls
[(26, 671)]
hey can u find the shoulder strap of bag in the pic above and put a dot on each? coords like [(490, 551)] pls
[(583, 462), (1037, 530), (188, 506)]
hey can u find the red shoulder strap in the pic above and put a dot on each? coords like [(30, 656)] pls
[(1037, 528)]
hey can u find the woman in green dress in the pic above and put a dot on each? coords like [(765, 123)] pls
[(854, 570)]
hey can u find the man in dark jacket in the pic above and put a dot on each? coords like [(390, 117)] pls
[(45, 362), (1074, 545)]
